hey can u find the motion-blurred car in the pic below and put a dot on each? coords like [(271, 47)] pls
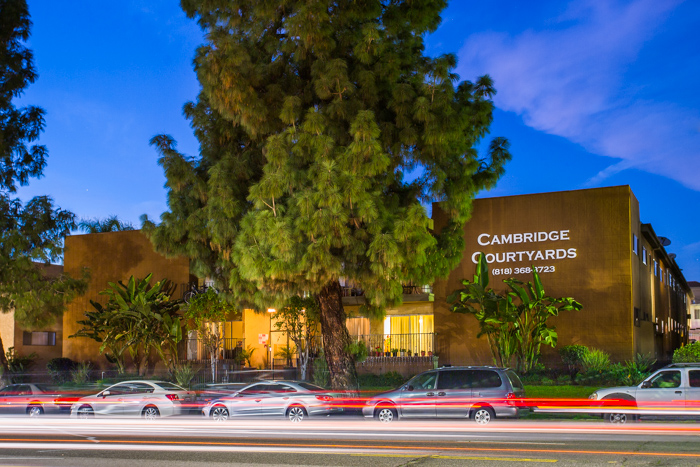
[(294, 400), (480, 393), (671, 391), (147, 399), (30, 399)]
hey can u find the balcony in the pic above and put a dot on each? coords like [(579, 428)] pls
[(411, 293)]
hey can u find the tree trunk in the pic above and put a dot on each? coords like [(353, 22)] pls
[(336, 338), (5, 377)]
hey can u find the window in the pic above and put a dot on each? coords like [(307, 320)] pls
[(38, 338), (656, 268), (514, 380), (455, 379), (635, 244), (636, 316), (486, 379), (694, 378), (424, 381), (667, 379), (697, 314), (644, 255)]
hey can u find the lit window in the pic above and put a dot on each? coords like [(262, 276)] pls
[(39, 338), (656, 268), (644, 255), (635, 244)]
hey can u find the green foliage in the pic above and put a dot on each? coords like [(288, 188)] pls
[(137, 318), (81, 373), (358, 350), (299, 320), (595, 360), (60, 368), (30, 233), (287, 353), (643, 363), (204, 314), (308, 119), (184, 374), (515, 324), (109, 224), (391, 379), (321, 374), (687, 354), (19, 365), (572, 356), (247, 355)]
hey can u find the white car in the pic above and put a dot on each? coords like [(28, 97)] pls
[(147, 399), (291, 399)]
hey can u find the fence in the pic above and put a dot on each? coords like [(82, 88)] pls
[(398, 345), (194, 349)]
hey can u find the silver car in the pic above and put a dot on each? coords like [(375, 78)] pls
[(147, 399), (671, 391), (481, 393), (291, 399)]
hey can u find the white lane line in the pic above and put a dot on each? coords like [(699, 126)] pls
[(208, 448)]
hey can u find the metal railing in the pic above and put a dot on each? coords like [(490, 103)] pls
[(408, 289), (398, 345), (194, 349)]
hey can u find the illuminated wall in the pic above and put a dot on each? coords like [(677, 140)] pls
[(581, 244)]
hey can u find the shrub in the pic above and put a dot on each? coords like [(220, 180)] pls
[(81, 373), (687, 354), (358, 350), (60, 369), (184, 374), (19, 365), (572, 356), (595, 361), (391, 379), (642, 363), (320, 370)]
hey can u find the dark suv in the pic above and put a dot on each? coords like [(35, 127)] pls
[(481, 393)]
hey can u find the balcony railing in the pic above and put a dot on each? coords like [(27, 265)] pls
[(404, 345), (194, 349), (408, 289)]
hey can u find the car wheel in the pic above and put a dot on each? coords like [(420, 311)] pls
[(219, 413), (483, 415), (85, 412), (618, 418), (35, 411), (296, 413), (386, 414), (150, 413)]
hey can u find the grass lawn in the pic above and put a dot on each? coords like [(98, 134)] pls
[(559, 392)]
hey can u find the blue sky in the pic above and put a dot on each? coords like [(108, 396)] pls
[(590, 93)]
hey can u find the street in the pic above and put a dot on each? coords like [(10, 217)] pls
[(343, 441)]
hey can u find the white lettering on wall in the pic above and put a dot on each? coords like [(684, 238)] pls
[(486, 239)]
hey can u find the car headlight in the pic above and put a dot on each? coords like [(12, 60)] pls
[(593, 396)]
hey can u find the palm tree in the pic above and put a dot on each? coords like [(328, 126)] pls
[(110, 224)]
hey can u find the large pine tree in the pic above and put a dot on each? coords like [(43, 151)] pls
[(311, 114), (31, 232)]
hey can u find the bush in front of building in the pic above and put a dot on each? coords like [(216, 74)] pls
[(60, 368), (687, 354), (391, 379), (572, 356), (595, 361)]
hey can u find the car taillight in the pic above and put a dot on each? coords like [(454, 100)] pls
[(511, 395), (324, 398), (172, 397)]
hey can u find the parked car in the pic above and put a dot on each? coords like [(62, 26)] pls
[(294, 400), (674, 390), (480, 393), (147, 399), (30, 399)]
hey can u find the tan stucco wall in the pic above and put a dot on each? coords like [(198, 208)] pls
[(110, 257), (599, 276)]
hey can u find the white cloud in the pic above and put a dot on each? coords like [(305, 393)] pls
[(569, 81)]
